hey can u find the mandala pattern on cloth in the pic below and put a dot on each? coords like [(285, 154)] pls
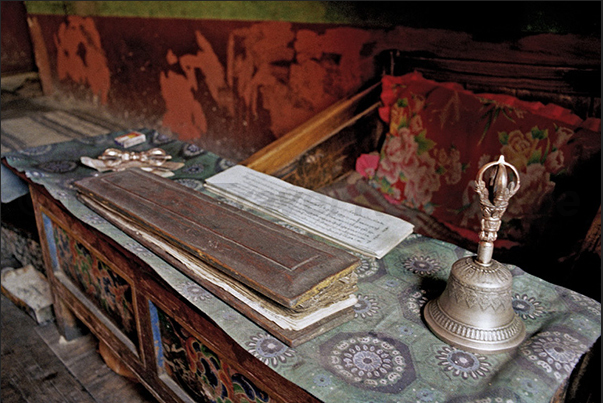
[(194, 184), (580, 302), (369, 361), (194, 169), (138, 249), (37, 151), (367, 306), (222, 164), (421, 265), (94, 219), (35, 174), (269, 350), (527, 307), (191, 150), (554, 352), (322, 380), (463, 363), (58, 167), (369, 267), (411, 301), (193, 291), (159, 139)]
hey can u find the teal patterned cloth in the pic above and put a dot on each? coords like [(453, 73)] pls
[(386, 353)]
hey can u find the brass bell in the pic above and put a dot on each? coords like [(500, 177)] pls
[(475, 310)]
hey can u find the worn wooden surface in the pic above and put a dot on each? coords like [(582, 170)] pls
[(278, 155), (206, 331), (249, 249), (38, 366), (149, 287)]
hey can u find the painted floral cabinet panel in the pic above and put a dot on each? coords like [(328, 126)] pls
[(94, 277), (198, 370)]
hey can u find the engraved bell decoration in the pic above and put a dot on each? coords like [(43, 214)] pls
[(475, 310)]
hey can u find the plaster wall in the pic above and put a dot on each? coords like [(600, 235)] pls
[(233, 76)]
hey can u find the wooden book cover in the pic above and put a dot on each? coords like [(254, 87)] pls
[(267, 265)]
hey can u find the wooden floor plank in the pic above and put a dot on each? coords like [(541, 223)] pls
[(82, 359), (30, 371), (38, 366)]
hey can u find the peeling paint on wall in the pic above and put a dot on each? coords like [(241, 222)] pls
[(292, 75), (80, 56)]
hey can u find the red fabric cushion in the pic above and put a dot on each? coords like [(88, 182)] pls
[(440, 135)]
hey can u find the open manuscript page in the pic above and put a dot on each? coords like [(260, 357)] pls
[(360, 229)]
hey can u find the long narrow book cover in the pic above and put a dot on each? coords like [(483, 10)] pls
[(292, 285)]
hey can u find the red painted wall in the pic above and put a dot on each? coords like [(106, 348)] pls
[(229, 86), (17, 53), (233, 87)]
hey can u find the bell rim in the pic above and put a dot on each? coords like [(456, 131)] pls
[(513, 333)]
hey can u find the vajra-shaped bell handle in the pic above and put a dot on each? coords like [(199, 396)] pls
[(493, 206)]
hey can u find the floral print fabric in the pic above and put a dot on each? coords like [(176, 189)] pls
[(440, 135)]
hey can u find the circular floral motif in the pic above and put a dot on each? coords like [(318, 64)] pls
[(59, 194), (35, 174), (138, 249), (463, 363), (368, 361), (194, 184), (368, 266), (366, 306), (58, 167), (194, 291), (527, 307), (415, 301), (39, 150), (93, 218), (555, 352), (223, 164), (421, 265), (191, 150), (269, 350), (582, 301), (322, 380), (194, 169), (159, 138)]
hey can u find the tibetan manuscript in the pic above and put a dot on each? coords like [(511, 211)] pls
[(292, 285)]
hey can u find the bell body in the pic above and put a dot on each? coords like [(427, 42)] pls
[(475, 311)]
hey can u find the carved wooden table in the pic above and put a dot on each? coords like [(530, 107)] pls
[(184, 344)]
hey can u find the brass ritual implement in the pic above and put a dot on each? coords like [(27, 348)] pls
[(475, 310)]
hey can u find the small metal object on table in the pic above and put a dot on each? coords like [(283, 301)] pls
[(475, 310)]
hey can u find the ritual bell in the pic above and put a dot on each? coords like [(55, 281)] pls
[(475, 310)]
